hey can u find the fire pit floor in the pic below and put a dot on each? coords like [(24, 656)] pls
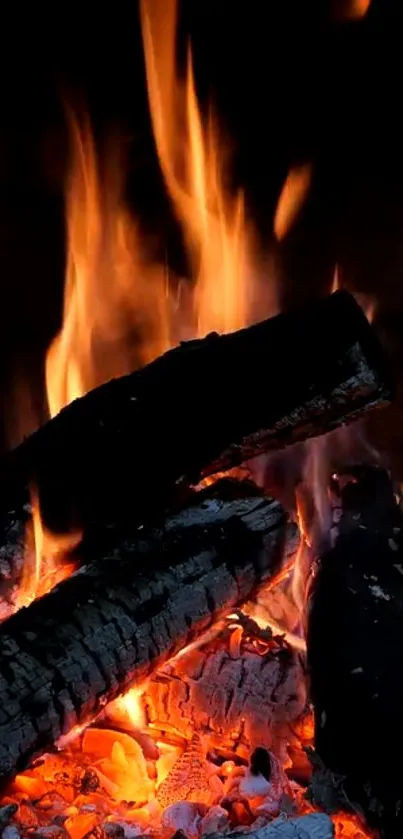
[(213, 743)]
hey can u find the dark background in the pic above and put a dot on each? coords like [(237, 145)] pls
[(292, 83)]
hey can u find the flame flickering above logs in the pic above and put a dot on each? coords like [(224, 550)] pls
[(191, 152), (112, 291), (119, 313), (119, 310), (46, 559)]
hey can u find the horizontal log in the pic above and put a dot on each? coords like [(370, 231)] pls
[(125, 450), (114, 622), (355, 655)]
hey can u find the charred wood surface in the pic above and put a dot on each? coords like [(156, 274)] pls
[(241, 700), (112, 624), (355, 654), (126, 449)]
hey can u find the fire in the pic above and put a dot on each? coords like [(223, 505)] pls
[(336, 280), (116, 302), (45, 562), (366, 301), (292, 198), (152, 778), (129, 708), (118, 306), (118, 314), (350, 9), (368, 305), (190, 152)]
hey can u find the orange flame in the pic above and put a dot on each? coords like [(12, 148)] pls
[(366, 301), (350, 9), (44, 559), (190, 151), (336, 280), (130, 708), (368, 305), (115, 302), (292, 197), (117, 306)]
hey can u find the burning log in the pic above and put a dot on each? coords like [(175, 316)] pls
[(242, 699), (111, 624), (125, 450), (355, 654)]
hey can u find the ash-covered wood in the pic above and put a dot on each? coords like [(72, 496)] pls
[(126, 449), (241, 701), (355, 653), (114, 622), (312, 826)]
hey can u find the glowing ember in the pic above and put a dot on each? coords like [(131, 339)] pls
[(158, 779), (216, 739)]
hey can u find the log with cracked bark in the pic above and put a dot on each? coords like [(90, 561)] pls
[(115, 621), (355, 653), (240, 699), (127, 448)]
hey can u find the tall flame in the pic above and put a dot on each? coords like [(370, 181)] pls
[(190, 151), (115, 313), (117, 307)]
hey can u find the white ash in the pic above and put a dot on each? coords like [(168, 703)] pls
[(185, 816), (128, 830), (216, 820), (11, 832), (377, 591), (240, 703), (312, 826), (254, 785)]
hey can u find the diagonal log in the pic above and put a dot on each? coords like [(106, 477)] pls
[(114, 622), (125, 450)]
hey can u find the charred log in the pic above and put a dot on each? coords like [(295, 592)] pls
[(125, 450), (355, 654), (114, 622), (241, 702)]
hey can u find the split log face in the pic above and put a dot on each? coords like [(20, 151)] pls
[(239, 703), (124, 451), (114, 622), (355, 651)]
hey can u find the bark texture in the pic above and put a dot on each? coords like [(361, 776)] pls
[(125, 450), (355, 654), (117, 620), (241, 701)]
